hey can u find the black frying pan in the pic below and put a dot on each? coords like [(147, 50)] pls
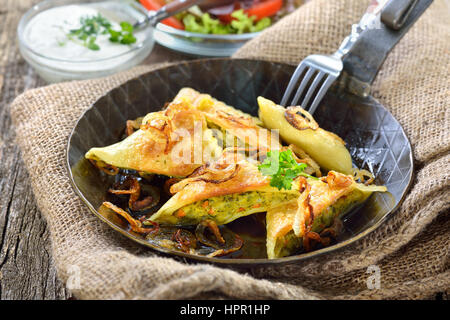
[(374, 137)]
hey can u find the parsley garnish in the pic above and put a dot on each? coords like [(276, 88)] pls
[(93, 26), (283, 169)]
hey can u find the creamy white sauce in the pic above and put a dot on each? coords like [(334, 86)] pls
[(46, 34)]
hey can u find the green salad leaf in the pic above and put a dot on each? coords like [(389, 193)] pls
[(242, 23), (205, 24)]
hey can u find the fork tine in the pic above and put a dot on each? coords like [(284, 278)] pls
[(323, 89), (297, 73), (302, 86), (311, 89)]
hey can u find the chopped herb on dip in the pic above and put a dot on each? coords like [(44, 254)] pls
[(93, 26)]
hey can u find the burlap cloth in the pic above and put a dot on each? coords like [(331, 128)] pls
[(411, 249)]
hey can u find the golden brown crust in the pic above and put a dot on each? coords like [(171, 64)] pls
[(325, 193), (163, 145), (234, 173), (239, 124)]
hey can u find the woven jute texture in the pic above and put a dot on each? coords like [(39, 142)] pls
[(411, 249)]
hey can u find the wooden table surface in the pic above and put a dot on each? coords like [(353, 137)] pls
[(26, 267)]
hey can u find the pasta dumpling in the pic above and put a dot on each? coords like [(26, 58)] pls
[(291, 225), (223, 191), (172, 142), (326, 148)]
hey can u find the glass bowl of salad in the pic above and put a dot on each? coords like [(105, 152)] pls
[(219, 31)]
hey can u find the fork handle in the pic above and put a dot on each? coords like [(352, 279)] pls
[(368, 20), (365, 50)]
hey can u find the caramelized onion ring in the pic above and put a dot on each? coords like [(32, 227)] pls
[(184, 240), (300, 122), (235, 169), (132, 187), (161, 125), (200, 177), (169, 183), (325, 236), (106, 168), (305, 206), (140, 205), (361, 174), (135, 224), (328, 232), (237, 244), (211, 225), (151, 200), (131, 126), (337, 180), (148, 222), (221, 245)]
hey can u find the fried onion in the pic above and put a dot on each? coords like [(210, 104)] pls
[(361, 175), (308, 214), (338, 180), (300, 122), (203, 174), (106, 168), (306, 222), (169, 183), (170, 237), (224, 244), (162, 126), (135, 224), (132, 125), (184, 240), (212, 226), (302, 157), (130, 186)]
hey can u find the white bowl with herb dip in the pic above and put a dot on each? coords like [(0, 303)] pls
[(73, 40)]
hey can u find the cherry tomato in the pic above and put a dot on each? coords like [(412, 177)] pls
[(260, 10), (264, 9), (156, 5)]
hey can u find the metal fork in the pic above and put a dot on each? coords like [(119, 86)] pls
[(317, 73)]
